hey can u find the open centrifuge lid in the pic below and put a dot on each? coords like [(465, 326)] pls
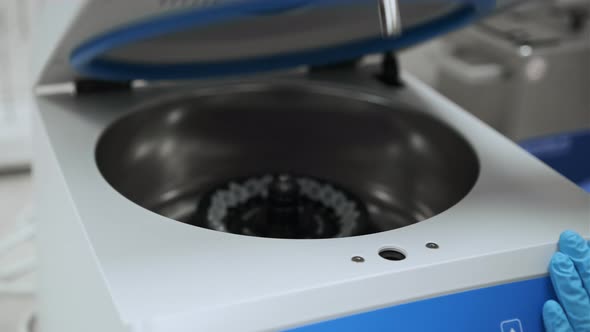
[(179, 39)]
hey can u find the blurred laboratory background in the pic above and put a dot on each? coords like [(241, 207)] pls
[(524, 71)]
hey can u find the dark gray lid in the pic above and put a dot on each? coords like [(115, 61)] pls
[(240, 37)]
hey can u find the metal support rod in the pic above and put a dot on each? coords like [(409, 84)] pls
[(390, 18)]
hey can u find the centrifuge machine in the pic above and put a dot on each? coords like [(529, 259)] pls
[(237, 166)]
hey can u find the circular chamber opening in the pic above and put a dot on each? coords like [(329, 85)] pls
[(298, 162)]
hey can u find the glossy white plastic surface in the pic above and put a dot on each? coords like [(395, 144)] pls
[(143, 272)]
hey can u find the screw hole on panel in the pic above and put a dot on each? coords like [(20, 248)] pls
[(432, 245), (358, 259)]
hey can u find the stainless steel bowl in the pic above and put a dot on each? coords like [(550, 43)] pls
[(403, 164)]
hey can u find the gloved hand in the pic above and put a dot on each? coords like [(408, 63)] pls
[(570, 275)]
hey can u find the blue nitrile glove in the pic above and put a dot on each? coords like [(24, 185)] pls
[(570, 274)]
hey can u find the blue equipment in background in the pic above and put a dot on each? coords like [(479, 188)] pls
[(568, 153)]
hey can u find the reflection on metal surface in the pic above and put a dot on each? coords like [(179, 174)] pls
[(402, 164)]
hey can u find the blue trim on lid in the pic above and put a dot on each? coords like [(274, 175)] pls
[(87, 60)]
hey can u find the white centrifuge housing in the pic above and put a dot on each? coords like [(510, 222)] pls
[(336, 198)]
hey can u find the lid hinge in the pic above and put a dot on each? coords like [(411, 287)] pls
[(90, 86), (390, 70)]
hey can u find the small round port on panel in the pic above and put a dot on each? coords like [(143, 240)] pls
[(392, 254)]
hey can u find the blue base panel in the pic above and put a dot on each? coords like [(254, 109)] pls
[(513, 307)]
